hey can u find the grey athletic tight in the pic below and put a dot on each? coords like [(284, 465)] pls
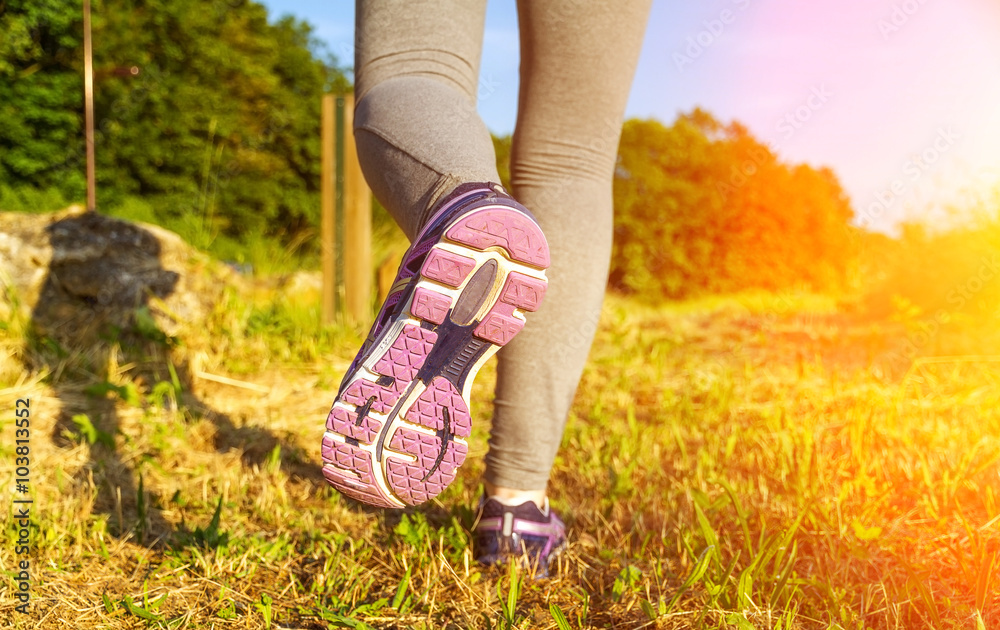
[(419, 136)]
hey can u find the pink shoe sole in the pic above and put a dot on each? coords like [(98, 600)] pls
[(397, 431)]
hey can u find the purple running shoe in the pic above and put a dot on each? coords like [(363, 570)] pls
[(522, 532), (397, 431)]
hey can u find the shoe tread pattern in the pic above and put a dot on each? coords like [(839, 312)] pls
[(386, 447)]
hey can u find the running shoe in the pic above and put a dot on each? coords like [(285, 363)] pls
[(522, 533), (397, 431)]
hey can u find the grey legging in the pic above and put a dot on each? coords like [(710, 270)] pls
[(419, 136)]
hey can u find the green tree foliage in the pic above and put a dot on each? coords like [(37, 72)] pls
[(220, 126), (704, 207), (40, 93), (218, 138)]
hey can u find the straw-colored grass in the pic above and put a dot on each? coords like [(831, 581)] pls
[(732, 463)]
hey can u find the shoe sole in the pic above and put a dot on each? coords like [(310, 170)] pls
[(396, 435)]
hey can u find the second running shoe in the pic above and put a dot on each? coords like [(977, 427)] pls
[(397, 431)]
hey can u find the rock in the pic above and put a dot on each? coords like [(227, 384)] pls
[(74, 273)]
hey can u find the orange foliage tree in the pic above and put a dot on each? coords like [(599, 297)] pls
[(702, 207)]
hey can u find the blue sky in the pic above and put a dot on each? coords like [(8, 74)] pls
[(899, 97)]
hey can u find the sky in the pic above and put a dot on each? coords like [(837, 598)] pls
[(901, 98)]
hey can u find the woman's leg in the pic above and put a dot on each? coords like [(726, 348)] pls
[(577, 63), (416, 127), (397, 431), (419, 137)]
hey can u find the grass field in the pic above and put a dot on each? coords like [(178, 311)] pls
[(744, 462)]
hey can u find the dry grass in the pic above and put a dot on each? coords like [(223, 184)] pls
[(742, 463)]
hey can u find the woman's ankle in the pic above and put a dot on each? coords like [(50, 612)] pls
[(513, 496)]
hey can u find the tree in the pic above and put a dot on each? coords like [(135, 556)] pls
[(220, 127), (705, 207), (41, 103)]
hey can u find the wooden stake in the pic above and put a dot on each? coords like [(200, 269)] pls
[(358, 269), (88, 106), (328, 220)]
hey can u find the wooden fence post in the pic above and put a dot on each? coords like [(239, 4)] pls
[(88, 106), (358, 269), (328, 220), (346, 224)]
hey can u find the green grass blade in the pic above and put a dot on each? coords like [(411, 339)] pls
[(744, 590), (139, 611), (648, 609), (987, 569), (741, 515), (515, 591), (707, 531), (739, 621), (398, 598), (779, 587), (557, 615), (699, 570), (726, 574)]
